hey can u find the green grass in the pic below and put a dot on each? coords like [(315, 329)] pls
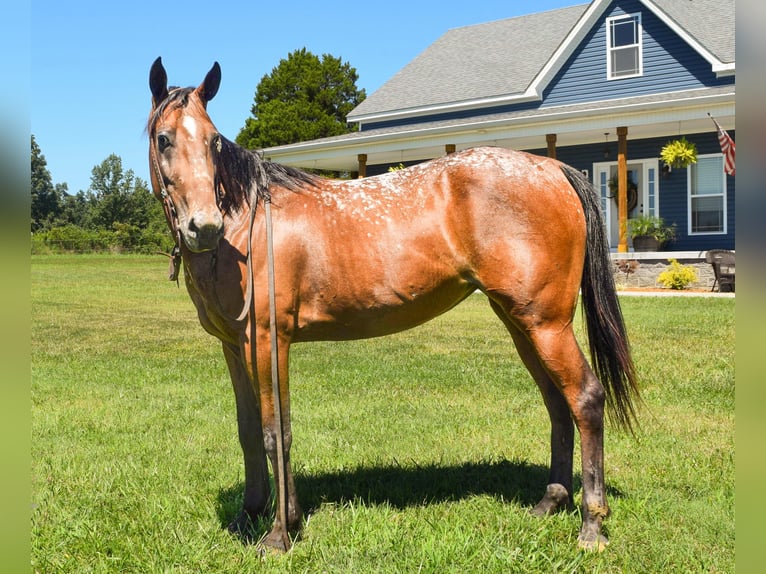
[(419, 452)]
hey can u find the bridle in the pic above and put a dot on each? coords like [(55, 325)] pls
[(170, 214)]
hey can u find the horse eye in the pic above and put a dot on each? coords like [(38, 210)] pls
[(163, 142)]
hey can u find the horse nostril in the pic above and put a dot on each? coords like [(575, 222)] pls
[(205, 232)]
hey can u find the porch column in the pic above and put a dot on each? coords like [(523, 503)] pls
[(622, 188), (449, 148), (362, 160), (551, 139)]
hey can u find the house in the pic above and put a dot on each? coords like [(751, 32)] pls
[(602, 86)]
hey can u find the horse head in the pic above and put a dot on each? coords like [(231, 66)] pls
[(183, 143)]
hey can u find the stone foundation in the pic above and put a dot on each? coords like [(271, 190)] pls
[(646, 267)]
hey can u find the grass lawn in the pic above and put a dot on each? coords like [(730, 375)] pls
[(418, 452)]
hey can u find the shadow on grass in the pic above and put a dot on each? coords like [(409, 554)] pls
[(416, 485), (405, 486)]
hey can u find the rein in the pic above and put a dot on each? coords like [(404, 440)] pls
[(280, 473), (281, 470), (282, 508), (249, 291)]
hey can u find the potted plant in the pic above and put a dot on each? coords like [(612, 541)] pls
[(649, 233), (679, 153)]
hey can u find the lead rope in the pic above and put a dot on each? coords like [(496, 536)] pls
[(281, 473), (249, 290)]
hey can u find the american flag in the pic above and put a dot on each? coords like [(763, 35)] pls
[(727, 147)]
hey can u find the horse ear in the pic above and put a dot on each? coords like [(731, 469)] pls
[(158, 82), (209, 87)]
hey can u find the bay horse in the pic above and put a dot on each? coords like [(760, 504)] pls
[(373, 256)]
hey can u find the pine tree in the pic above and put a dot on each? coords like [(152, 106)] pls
[(303, 98)]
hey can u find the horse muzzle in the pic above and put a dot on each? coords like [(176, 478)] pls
[(203, 232)]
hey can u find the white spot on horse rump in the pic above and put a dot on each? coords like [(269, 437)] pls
[(190, 124)]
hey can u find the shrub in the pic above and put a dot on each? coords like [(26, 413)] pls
[(677, 276), (123, 238)]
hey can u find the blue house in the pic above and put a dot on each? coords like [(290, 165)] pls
[(602, 86)]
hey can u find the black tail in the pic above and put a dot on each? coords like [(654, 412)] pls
[(609, 347)]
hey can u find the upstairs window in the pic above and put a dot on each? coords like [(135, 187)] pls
[(623, 46)]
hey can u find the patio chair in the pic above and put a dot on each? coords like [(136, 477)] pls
[(722, 261)]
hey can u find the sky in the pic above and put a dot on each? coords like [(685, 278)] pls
[(89, 60)]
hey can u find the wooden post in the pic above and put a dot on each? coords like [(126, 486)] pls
[(622, 188), (449, 148), (362, 159), (551, 139)]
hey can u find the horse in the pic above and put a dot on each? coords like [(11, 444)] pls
[(350, 259)]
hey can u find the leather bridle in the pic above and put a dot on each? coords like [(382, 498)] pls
[(170, 214)]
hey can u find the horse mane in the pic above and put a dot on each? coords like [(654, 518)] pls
[(242, 175)]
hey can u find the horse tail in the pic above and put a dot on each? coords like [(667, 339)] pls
[(609, 346)]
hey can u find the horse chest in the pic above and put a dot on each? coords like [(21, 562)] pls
[(218, 301)]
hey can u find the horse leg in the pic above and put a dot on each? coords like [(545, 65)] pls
[(558, 493), (257, 488), (553, 342), (278, 538), (585, 396)]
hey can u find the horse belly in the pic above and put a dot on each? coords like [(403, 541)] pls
[(377, 309)]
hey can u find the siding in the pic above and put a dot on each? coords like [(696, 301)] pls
[(669, 64)]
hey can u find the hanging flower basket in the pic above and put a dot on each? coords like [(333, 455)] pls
[(679, 153)]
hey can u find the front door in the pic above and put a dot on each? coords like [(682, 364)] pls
[(642, 193)]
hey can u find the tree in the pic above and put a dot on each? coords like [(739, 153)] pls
[(45, 199), (117, 196), (303, 98), (74, 208)]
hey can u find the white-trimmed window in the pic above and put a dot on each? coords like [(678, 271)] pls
[(623, 46), (707, 195)]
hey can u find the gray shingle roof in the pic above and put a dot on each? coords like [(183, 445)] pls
[(503, 58), (465, 63), (710, 22)]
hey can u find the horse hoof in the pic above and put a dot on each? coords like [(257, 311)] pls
[(556, 497), (275, 542), (592, 543)]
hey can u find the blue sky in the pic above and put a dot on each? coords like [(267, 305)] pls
[(89, 94)]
